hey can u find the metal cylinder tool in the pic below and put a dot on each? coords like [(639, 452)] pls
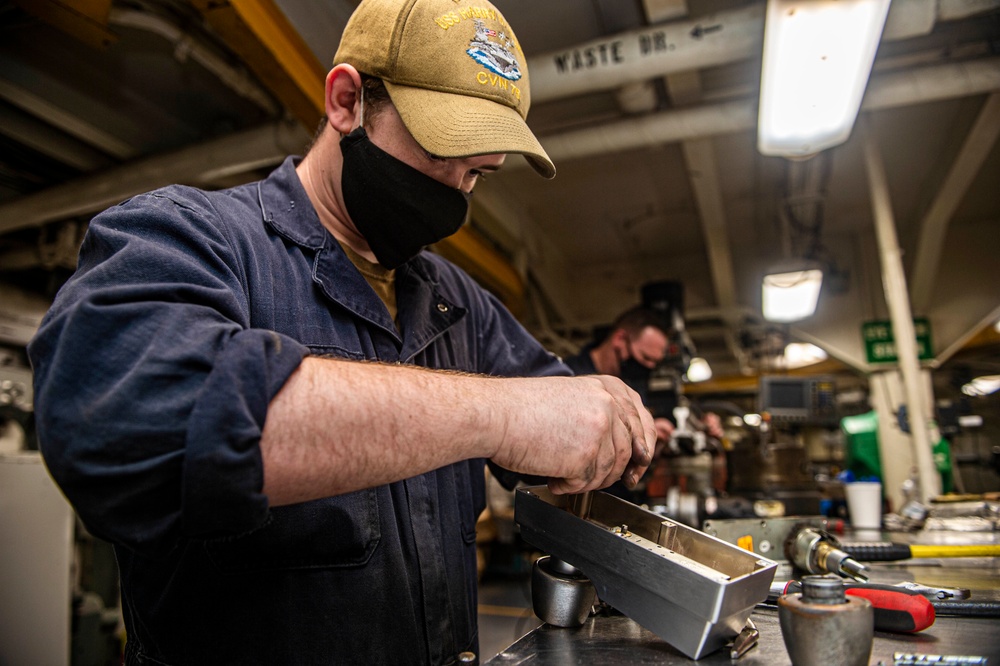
[(560, 593), (822, 626)]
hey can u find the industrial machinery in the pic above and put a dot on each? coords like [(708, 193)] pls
[(808, 400), (692, 590), (802, 541)]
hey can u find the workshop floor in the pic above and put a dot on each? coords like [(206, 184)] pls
[(504, 613)]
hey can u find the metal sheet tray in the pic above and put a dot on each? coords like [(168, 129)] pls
[(694, 591)]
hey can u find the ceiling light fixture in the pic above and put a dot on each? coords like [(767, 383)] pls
[(801, 354), (982, 385), (818, 56), (788, 296), (698, 370)]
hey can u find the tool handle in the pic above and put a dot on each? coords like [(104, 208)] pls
[(877, 552), (896, 610)]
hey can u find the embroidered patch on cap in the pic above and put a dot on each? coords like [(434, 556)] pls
[(494, 51)]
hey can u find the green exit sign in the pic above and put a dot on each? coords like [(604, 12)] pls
[(880, 345)]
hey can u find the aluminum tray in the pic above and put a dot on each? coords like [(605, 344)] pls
[(692, 590)]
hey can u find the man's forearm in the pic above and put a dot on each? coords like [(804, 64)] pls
[(338, 426)]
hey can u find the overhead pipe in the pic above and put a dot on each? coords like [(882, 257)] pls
[(648, 53), (659, 50), (235, 153), (886, 91), (269, 144), (238, 80)]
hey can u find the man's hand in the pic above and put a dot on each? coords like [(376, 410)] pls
[(713, 425), (664, 429), (584, 433)]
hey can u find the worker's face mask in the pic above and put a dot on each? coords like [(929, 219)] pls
[(398, 209), (633, 373)]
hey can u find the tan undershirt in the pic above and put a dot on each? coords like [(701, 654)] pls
[(380, 278)]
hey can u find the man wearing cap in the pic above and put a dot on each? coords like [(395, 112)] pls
[(278, 408)]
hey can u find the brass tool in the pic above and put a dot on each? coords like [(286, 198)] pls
[(818, 552)]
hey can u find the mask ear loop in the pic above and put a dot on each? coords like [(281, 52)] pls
[(362, 111)]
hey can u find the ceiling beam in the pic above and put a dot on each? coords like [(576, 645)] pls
[(37, 135), (66, 121), (260, 34), (976, 148), (86, 21), (240, 152), (749, 384)]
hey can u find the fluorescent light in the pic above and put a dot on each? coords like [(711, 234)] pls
[(790, 296), (982, 385), (801, 354), (698, 370), (970, 421), (817, 58)]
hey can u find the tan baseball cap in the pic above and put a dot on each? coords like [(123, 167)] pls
[(455, 72)]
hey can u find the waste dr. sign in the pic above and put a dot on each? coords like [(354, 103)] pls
[(880, 345)]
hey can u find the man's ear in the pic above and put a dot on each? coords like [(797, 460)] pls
[(620, 342), (343, 93)]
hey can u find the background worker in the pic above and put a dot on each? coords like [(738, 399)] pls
[(201, 396), (634, 345)]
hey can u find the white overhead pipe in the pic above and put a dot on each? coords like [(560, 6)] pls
[(933, 83), (648, 53), (715, 39)]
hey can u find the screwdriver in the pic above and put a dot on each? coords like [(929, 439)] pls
[(897, 609)]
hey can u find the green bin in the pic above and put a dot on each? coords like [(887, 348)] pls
[(861, 452)]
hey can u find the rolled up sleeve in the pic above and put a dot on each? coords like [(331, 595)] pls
[(152, 386)]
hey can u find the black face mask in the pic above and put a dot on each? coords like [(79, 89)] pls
[(635, 374), (398, 209)]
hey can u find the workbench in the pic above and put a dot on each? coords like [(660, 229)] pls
[(611, 638)]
